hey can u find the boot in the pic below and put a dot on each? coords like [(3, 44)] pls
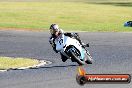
[(63, 58)]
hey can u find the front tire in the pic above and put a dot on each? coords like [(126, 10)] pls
[(80, 62), (89, 59)]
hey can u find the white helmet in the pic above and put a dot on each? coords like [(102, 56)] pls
[(54, 28)]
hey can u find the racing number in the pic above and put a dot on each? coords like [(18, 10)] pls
[(61, 41)]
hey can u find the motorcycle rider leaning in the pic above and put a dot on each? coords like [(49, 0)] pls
[(55, 32)]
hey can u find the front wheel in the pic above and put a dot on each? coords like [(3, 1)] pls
[(77, 59), (89, 59)]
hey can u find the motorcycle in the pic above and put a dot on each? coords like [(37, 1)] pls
[(72, 49)]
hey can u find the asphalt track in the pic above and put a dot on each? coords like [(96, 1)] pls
[(112, 53)]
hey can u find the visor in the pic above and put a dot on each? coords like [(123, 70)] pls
[(53, 31)]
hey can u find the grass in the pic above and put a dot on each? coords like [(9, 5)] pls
[(8, 62), (71, 16)]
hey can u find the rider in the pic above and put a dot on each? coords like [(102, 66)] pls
[(55, 32)]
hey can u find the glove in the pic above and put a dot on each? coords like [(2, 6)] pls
[(51, 40)]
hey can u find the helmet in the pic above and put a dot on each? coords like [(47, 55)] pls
[(54, 28)]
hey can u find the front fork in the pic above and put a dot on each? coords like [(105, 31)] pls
[(87, 52), (70, 50)]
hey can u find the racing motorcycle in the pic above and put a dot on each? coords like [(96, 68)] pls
[(72, 49)]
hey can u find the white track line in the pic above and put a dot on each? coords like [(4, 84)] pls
[(41, 63)]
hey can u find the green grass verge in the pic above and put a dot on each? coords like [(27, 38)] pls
[(8, 62), (71, 16)]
